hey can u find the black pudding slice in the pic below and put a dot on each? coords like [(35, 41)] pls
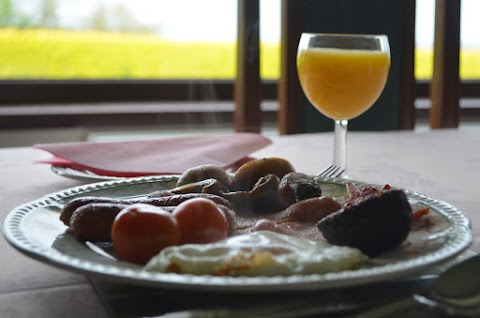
[(375, 225)]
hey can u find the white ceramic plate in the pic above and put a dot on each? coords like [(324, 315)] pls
[(35, 229)]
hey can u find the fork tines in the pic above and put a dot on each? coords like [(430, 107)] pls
[(332, 171)]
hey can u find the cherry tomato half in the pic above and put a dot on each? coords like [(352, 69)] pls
[(200, 221), (141, 231)]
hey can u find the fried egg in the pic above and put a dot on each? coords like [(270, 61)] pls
[(262, 253)]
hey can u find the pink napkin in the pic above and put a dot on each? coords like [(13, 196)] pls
[(153, 157)]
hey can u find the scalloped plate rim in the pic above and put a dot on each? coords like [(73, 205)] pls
[(14, 234)]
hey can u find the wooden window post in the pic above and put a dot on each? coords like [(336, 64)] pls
[(248, 114), (289, 90), (445, 87)]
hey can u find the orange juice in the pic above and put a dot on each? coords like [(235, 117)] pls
[(342, 84)]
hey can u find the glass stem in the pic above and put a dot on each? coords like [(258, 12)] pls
[(340, 144)]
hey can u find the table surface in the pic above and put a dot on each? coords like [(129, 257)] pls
[(443, 164)]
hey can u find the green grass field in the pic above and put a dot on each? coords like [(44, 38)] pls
[(60, 54)]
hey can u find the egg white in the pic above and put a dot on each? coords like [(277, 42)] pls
[(262, 253)]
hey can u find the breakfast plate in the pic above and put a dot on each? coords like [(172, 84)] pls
[(34, 229)]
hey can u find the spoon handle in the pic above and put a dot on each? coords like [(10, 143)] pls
[(404, 306)]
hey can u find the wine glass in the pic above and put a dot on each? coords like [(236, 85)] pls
[(342, 75)]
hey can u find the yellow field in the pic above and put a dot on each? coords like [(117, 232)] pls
[(60, 54), (469, 63)]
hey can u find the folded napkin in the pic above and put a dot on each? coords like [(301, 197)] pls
[(154, 157)]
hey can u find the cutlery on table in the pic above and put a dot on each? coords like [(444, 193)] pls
[(332, 171), (332, 302), (455, 293)]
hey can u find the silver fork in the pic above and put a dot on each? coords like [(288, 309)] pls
[(332, 171)]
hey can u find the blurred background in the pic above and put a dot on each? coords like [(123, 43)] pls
[(45, 44), (114, 38)]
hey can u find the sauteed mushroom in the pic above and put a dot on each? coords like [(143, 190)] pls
[(211, 185), (203, 172), (263, 198), (296, 186), (249, 173)]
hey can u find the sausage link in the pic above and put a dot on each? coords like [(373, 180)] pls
[(74, 204), (93, 221), (171, 200), (310, 210)]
